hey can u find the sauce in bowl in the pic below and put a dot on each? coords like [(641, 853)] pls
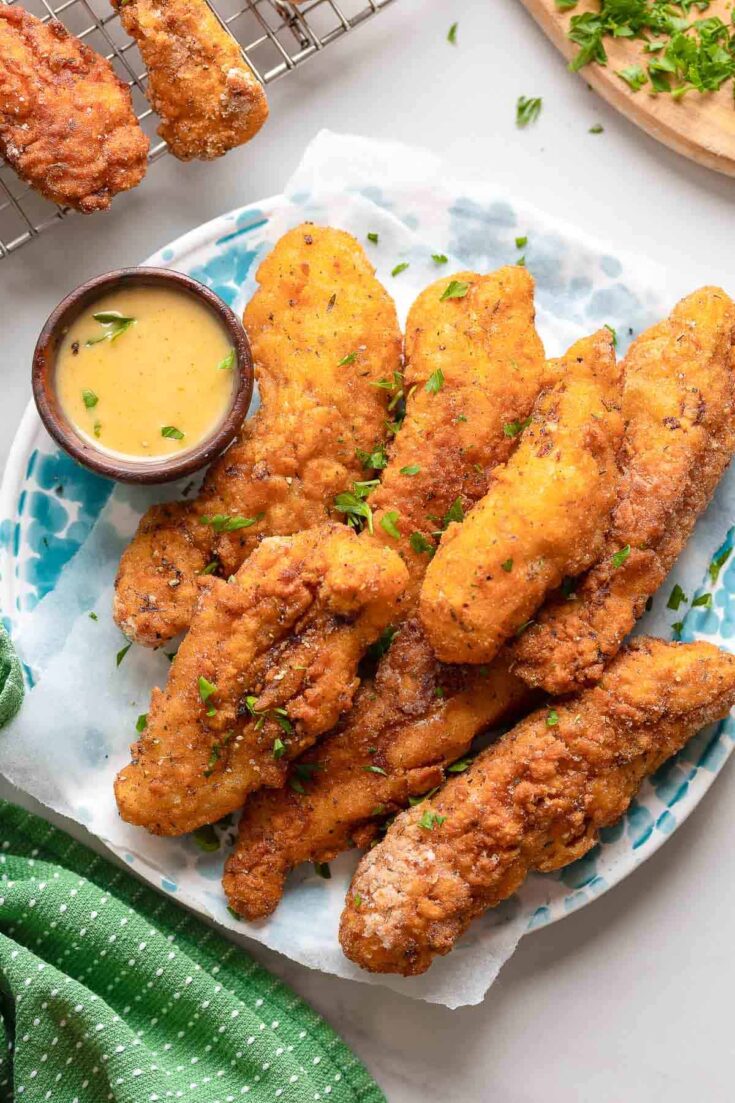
[(145, 372)]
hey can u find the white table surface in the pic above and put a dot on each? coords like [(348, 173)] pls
[(630, 999)]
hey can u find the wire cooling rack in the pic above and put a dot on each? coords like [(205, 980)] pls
[(275, 35)]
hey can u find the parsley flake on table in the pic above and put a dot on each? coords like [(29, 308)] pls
[(372, 236), (704, 601), (452, 34), (718, 563), (528, 109), (598, 128), (322, 870), (142, 722), (122, 653), (676, 597), (521, 242), (400, 268), (439, 258)]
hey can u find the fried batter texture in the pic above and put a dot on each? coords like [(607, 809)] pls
[(208, 98), (679, 409), (220, 729), (67, 124), (318, 303), (486, 364), (544, 517), (534, 801), (405, 730)]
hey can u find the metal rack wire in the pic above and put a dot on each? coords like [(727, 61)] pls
[(276, 36)]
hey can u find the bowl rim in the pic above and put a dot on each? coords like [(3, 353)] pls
[(140, 471)]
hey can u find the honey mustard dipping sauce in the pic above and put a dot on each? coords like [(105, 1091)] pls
[(146, 372)]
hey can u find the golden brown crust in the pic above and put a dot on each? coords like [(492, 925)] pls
[(67, 124), (318, 301), (535, 800), (544, 517), (253, 639), (208, 98), (679, 408), (406, 727)]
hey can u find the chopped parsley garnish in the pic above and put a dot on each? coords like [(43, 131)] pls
[(619, 557), (90, 399), (614, 333), (677, 627), (410, 469), (521, 242), (420, 544), (455, 289), (353, 504), (454, 513), (565, 5), (634, 76), (206, 838), (430, 820), (223, 522), (378, 648), (452, 34), (372, 236), (206, 690), (213, 760), (676, 597), (507, 565), (172, 432), (357, 900), (375, 770), (598, 128), (459, 766), (375, 460), (718, 563), (210, 568), (115, 325), (400, 268), (348, 359), (704, 601), (552, 718), (435, 382), (279, 748), (97, 428), (439, 691), (388, 524), (93, 616), (322, 870), (142, 722), (227, 362), (122, 653), (528, 109), (296, 785), (513, 428), (439, 258)]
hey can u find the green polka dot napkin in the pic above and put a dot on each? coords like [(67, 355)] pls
[(111, 992)]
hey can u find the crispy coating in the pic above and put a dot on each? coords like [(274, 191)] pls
[(544, 517), (483, 363), (679, 409), (207, 96), (67, 124), (317, 303), (534, 801), (487, 361), (406, 727), (273, 694)]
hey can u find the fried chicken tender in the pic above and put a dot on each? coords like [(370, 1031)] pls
[(544, 517), (317, 304), (220, 730), (67, 124), (404, 731), (679, 409), (487, 365), (534, 801), (207, 96)]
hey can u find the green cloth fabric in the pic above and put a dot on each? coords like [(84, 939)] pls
[(11, 679), (109, 991)]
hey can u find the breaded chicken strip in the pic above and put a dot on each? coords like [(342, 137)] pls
[(474, 365), (679, 409), (405, 730), (220, 728), (544, 517), (67, 124), (207, 96), (534, 801), (323, 332)]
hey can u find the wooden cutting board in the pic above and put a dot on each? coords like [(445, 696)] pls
[(699, 126)]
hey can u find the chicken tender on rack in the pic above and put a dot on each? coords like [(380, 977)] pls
[(534, 801), (221, 727), (473, 365), (406, 729), (67, 124), (323, 332), (679, 409), (544, 517), (207, 96)]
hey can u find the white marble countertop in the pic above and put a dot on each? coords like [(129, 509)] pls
[(630, 998)]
